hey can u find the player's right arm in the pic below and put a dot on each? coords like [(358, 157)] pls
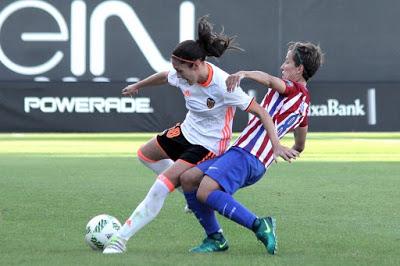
[(300, 134), (261, 77), (159, 78)]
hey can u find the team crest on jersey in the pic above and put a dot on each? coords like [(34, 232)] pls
[(288, 83), (210, 103)]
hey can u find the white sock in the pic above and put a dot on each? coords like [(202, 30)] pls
[(159, 166), (147, 210)]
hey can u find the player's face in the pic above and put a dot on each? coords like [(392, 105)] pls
[(289, 69), (184, 71)]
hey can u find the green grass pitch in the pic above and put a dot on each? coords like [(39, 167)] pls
[(339, 204)]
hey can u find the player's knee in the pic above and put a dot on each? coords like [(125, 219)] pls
[(185, 181), (202, 194), (141, 158), (140, 155), (206, 187), (188, 181)]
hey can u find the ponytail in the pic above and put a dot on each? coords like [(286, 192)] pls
[(214, 44), (208, 44)]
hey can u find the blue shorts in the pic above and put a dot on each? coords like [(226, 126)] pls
[(234, 169)]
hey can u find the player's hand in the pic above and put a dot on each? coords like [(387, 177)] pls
[(285, 153), (130, 90), (233, 81)]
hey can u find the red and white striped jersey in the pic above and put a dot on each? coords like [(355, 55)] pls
[(288, 111)]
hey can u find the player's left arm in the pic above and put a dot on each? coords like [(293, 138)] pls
[(279, 150), (300, 135), (263, 78)]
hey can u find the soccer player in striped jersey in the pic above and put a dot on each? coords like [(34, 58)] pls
[(205, 132), (211, 184)]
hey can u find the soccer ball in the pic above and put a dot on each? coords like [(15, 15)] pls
[(100, 229)]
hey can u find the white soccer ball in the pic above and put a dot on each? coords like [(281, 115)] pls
[(100, 229)]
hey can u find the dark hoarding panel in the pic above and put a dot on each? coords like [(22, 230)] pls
[(80, 107), (64, 63), (128, 40), (344, 106), (91, 107)]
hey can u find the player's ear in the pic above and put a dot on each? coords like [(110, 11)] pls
[(300, 69), (197, 63)]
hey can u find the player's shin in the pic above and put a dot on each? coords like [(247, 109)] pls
[(227, 206), (148, 209), (204, 214)]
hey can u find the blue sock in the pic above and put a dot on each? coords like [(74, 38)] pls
[(227, 206), (204, 214)]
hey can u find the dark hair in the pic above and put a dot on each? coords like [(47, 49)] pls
[(307, 54), (208, 43)]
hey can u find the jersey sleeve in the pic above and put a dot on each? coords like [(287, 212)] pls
[(173, 79), (290, 87), (304, 123), (237, 98)]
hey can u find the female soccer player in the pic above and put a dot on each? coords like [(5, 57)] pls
[(287, 101), (206, 130)]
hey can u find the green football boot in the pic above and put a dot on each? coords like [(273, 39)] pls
[(213, 243), (265, 230)]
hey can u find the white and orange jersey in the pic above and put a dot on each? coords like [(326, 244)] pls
[(211, 109)]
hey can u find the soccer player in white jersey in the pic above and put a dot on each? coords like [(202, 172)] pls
[(205, 132), (287, 102)]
